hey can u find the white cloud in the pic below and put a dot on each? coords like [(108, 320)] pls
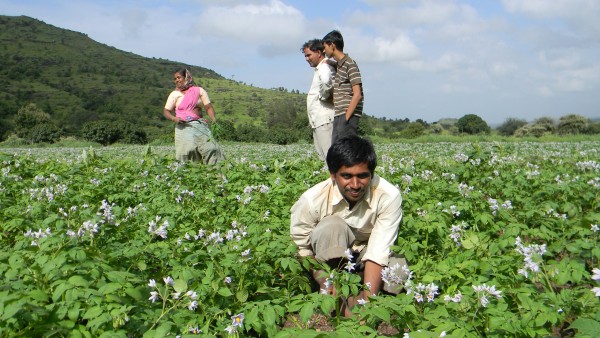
[(273, 27), (401, 48)]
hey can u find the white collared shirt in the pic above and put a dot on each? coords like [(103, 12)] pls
[(319, 101), (374, 220)]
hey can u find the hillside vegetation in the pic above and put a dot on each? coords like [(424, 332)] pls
[(56, 82), (76, 80)]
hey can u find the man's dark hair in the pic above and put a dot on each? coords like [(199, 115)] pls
[(336, 38), (350, 151), (313, 45)]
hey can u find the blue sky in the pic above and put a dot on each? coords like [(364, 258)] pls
[(427, 59)]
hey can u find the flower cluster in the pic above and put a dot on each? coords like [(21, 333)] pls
[(160, 231), (88, 227), (455, 299), (430, 291), (236, 322), (494, 205), (396, 275), (530, 253), (596, 277), (37, 235), (183, 193), (456, 231), (464, 189), (483, 290), (190, 296)]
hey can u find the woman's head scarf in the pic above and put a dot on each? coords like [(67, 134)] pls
[(189, 81)]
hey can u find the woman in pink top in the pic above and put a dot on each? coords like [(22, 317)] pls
[(193, 139)]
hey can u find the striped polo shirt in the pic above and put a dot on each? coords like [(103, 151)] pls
[(347, 75)]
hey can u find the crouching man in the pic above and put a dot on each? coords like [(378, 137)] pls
[(355, 210)]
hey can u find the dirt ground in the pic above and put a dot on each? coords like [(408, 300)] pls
[(321, 323)]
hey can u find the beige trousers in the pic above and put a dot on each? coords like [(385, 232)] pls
[(332, 236)]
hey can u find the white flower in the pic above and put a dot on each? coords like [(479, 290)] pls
[(348, 254), (362, 301), (238, 320), (596, 291), (193, 305), (176, 295), (168, 280), (245, 253), (596, 275), (349, 266), (595, 227), (192, 294), (152, 283), (231, 329), (227, 280), (153, 296)]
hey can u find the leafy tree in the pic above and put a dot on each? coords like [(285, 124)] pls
[(131, 133), (281, 135), (44, 133), (511, 125), (28, 117), (436, 128), (532, 129), (103, 132), (227, 130), (573, 124), (545, 123), (472, 124), (250, 133), (413, 130)]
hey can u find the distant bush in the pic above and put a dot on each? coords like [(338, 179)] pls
[(109, 132), (413, 130), (573, 124), (511, 125), (472, 124), (44, 133)]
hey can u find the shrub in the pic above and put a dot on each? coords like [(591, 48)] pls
[(44, 133), (572, 124), (511, 125), (102, 132), (472, 124)]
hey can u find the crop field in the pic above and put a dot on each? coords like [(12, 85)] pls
[(501, 239)]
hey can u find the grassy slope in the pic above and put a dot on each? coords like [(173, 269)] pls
[(76, 79)]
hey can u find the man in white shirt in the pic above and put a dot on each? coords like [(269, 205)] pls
[(319, 102), (354, 209)]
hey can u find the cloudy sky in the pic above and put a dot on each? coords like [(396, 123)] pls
[(427, 59)]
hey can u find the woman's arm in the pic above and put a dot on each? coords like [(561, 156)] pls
[(169, 116), (211, 112)]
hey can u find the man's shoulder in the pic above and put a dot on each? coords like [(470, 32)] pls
[(384, 186), (318, 189)]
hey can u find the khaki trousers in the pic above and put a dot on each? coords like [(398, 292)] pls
[(332, 237)]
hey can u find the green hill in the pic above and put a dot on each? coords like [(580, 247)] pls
[(77, 80)]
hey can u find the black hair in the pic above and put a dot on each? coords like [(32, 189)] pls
[(336, 38), (350, 151), (313, 45)]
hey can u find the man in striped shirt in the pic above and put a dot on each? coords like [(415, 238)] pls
[(347, 89)]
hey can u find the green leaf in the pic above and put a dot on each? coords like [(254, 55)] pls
[(93, 312), (163, 330), (225, 292), (381, 313), (38, 295), (60, 290), (306, 312), (78, 281), (242, 295), (110, 288), (136, 293), (586, 326), (180, 285), (73, 312)]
